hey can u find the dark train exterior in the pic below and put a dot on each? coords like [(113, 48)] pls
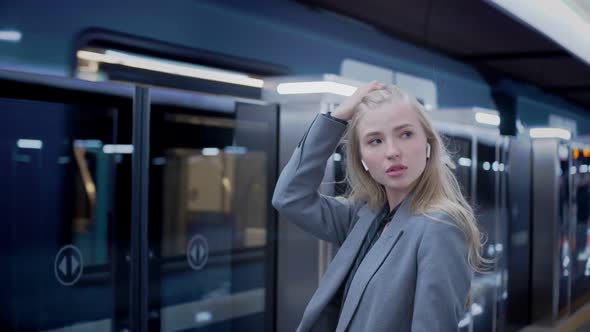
[(142, 201)]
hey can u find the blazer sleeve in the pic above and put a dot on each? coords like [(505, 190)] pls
[(296, 195), (443, 281)]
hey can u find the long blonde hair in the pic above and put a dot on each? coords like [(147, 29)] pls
[(437, 189)]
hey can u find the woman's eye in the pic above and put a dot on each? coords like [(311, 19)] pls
[(407, 134), (374, 141)]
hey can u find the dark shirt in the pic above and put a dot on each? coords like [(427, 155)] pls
[(372, 235)]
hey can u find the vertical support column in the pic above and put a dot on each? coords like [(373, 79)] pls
[(139, 209), (545, 231)]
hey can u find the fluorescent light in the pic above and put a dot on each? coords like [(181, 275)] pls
[(573, 170), (495, 166), (487, 118), (210, 151), (486, 165), (556, 19), (583, 168), (29, 143), (337, 157), (12, 36), (315, 87), (170, 67), (550, 133), (465, 162), (117, 148)]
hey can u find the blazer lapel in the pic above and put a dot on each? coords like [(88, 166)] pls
[(338, 268), (372, 261)]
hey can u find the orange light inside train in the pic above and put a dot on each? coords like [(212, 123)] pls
[(576, 153), (586, 152)]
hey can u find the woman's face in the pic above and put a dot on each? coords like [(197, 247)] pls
[(393, 145)]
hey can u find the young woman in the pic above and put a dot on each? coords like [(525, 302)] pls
[(408, 239)]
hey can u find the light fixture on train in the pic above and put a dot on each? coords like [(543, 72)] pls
[(315, 87), (24, 143), (93, 58), (11, 36), (118, 148), (550, 133), (487, 118)]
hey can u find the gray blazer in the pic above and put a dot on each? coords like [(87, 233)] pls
[(415, 278)]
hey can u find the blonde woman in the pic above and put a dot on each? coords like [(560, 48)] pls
[(408, 240)]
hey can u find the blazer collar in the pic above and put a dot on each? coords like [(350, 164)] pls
[(340, 266), (375, 257)]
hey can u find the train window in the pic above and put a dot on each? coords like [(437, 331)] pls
[(564, 196), (485, 292), (211, 177), (581, 234), (460, 152), (65, 196)]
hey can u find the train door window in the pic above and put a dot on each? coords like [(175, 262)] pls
[(564, 208), (484, 290), (581, 233), (65, 196), (502, 230), (213, 165), (460, 153)]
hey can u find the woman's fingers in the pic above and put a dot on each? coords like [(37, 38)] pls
[(346, 109)]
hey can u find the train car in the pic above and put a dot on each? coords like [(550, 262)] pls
[(140, 145)]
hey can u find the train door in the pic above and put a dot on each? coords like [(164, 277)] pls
[(460, 146), (65, 193), (479, 160), (552, 227), (518, 250), (581, 234), (490, 210), (213, 163)]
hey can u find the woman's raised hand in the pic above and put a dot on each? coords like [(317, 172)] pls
[(346, 109)]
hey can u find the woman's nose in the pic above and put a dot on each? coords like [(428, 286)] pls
[(393, 150)]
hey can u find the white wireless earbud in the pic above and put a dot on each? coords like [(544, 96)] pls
[(364, 165), (428, 150)]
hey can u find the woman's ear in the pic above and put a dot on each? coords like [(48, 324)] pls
[(428, 150)]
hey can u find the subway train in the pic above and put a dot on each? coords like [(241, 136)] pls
[(137, 169)]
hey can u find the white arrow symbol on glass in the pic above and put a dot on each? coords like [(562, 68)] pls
[(201, 252), (63, 266), (75, 264), (194, 253), (198, 252)]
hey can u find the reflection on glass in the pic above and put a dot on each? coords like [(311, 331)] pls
[(485, 285), (580, 264), (460, 153), (565, 176), (65, 216), (210, 174)]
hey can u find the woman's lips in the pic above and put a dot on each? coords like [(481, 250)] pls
[(396, 171)]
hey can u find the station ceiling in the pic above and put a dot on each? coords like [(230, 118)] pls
[(476, 33)]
